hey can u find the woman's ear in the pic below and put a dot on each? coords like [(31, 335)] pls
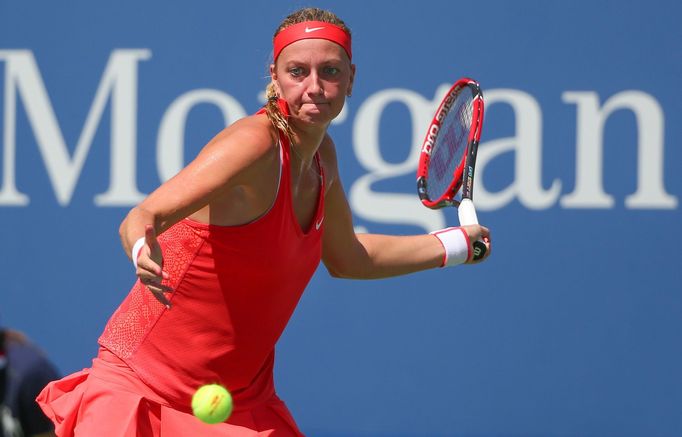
[(273, 78)]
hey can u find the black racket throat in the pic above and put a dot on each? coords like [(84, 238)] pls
[(468, 171)]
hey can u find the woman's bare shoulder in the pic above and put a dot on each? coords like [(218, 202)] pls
[(247, 144), (253, 135)]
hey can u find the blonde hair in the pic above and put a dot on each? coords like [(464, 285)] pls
[(275, 115)]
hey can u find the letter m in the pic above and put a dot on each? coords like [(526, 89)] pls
[(118, 83)]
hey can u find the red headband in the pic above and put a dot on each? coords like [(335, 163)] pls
[(312, 30)]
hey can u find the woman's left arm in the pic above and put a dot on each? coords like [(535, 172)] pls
[(371, 256)]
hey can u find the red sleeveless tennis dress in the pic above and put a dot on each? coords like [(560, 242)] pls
[(235, 289)]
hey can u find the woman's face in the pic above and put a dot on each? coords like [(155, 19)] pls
[(314, 76)]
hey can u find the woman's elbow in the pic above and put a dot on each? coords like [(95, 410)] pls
[(335, 272), (124, 223), (348, 270), (340, 270), (348, 261)]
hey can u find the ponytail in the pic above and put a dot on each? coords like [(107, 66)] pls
[(274, 113)]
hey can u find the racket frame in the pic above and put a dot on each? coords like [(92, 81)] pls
[(463, 177)]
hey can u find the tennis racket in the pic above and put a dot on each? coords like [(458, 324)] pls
[(445, 176)]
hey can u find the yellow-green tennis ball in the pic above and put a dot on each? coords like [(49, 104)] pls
[(212, 403)]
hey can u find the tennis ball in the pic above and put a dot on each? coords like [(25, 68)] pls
[(212, 403)]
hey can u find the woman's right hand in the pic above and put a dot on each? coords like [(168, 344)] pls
[(150, 267)]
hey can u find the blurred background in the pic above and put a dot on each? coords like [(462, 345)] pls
[(571, 328)]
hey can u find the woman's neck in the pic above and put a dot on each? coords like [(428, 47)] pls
[(306, 142)]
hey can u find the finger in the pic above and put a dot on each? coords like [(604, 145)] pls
[(158, 287), (489, 247), (149, 279), (149, 235), (158, 290), (145, 263), (161, 298)]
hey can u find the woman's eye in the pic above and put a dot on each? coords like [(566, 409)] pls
[(332, 71), (296, 71)]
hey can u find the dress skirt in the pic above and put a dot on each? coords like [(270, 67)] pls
[(109, 400)]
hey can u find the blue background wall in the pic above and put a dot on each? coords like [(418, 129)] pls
[(573, 325)]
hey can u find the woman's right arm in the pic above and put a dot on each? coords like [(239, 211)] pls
[(228, 160)]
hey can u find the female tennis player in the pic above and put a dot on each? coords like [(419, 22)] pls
[(223, 252)]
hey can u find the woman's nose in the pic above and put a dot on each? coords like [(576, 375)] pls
[(315, 84)]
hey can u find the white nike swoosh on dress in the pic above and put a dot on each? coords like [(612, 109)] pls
[(318, 224), (312, 29)]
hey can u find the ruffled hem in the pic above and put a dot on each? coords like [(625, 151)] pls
[(105, 403), (80, 408)]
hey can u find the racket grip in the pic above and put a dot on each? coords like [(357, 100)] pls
[(467, 216), (467, 213)]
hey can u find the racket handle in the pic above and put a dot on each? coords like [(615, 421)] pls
[(467, 213), (467, 216)]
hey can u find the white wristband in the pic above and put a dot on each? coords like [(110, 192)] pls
[(455, 241), (135, 253)]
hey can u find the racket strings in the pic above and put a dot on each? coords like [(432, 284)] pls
[(450, 146)]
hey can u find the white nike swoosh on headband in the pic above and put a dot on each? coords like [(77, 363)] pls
[(312, 29)]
